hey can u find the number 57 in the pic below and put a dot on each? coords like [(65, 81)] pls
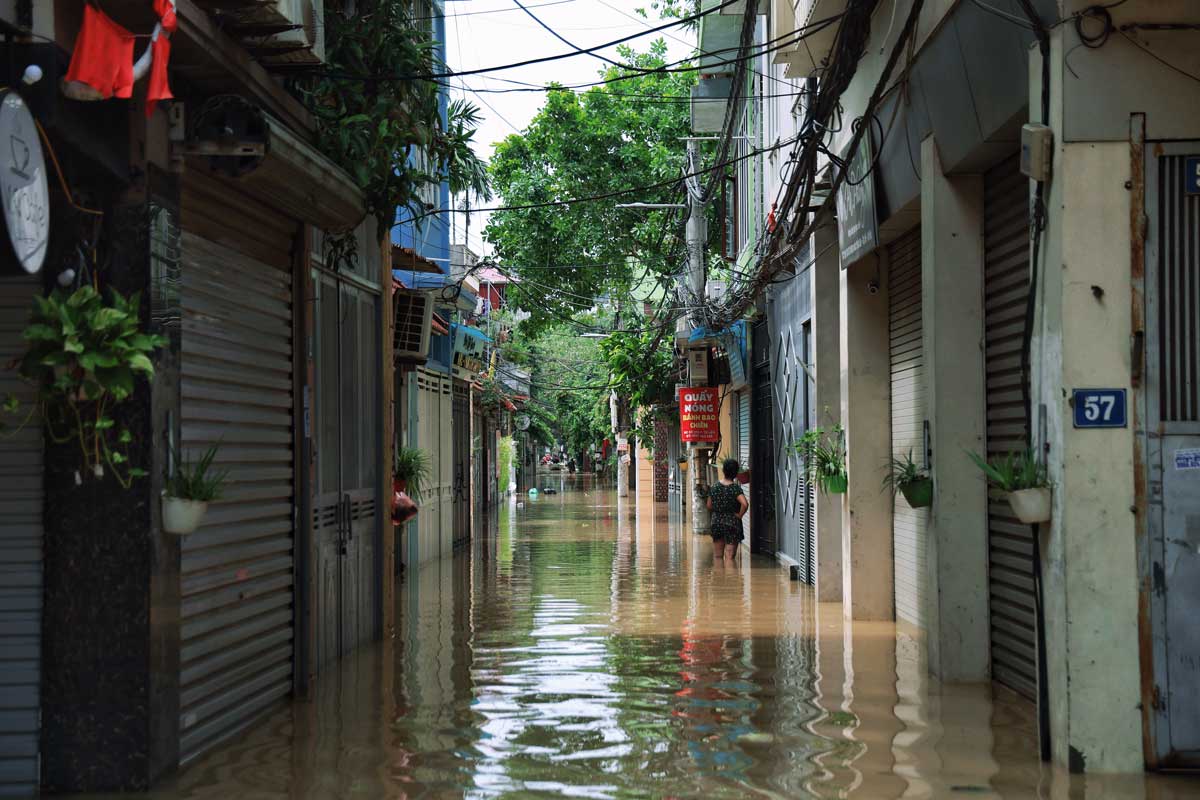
[(1098, 407)]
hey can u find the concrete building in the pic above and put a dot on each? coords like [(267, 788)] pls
[(966, 276)]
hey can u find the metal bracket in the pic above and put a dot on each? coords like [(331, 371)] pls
[(236, 149)]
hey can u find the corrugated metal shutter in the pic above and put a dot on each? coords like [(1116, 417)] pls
[(237, 572), (461, 486), (1010, 543), (21, 506), (909, 525), (743, 418)]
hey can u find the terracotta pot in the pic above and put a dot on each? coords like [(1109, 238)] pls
[(1031, 505), (399, 484), (181, 517), (743, 477), (918, 493)]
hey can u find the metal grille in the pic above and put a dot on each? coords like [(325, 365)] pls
[(461, 420), (237, 569), (21, 533), (910, 526), (1178, 295), (763, 529), (1010, 544)]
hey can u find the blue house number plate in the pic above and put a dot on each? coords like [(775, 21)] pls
[(1191, 175), (1100, 408)]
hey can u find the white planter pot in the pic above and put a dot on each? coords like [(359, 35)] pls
[(1031, 505), (180, 516)]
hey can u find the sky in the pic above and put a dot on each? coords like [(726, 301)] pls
[(488, 33)]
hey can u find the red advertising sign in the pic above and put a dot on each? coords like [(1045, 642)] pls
[(698, 421)]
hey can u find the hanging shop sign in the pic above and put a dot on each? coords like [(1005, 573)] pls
[(469, 355), (698, 420), (23, 184), (858, 223)]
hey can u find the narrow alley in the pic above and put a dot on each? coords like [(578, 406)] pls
[(589, 647)]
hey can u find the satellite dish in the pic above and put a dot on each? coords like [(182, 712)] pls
[(523, 422)]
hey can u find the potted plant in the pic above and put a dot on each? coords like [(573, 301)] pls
[(410, 470), (904, 477), (824, 454), (190, 487), (1025, 480)]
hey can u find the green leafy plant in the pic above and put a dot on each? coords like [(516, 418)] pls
[(196, 480), (411, 465), (823, 451), (1015, 471), (84, 357), (901, 471)]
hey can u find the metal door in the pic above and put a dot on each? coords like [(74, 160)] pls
[(1171, 430), (434, 437), (910, 526), (461, 498), (20, 556), (1012, 596), (237, 588), (346, 508), (763, 531), (791, 359)]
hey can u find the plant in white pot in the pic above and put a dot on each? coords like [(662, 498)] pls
[(1025, 480), (190, 487)]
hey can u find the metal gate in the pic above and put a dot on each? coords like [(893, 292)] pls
[(1012, 597), (434, 437), (1171, 421), (20, 557), (763, 531), (461, 498), (793, 401), (237, 609), (910, 526), (347, 450)]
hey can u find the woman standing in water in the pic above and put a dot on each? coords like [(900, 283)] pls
[(728, 505)]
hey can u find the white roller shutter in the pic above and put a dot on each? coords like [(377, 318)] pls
[(237, 626), (909, 525)]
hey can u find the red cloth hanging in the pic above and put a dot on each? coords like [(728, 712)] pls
[(159, 88), (103, 57)]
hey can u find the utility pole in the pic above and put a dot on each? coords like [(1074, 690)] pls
[(696, 239)]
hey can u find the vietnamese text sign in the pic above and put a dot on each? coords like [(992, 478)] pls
[(698, 420), (858, 223), (622, 444), (468, 352)]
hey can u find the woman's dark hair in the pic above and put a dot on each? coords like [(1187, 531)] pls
[(730, 467)]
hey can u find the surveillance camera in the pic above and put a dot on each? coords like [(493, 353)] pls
[(873, 287)]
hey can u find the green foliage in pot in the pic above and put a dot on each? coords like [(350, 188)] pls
[(411, 465), (904, 476), (823, 451), (84, 357), (196, 480), (1015, 471)]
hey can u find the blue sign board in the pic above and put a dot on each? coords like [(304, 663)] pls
[(1191, 175), (1100, 408)]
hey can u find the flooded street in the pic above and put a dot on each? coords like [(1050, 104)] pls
[(586, 650)]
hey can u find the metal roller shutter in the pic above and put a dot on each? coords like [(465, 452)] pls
[(21, 506), (743, 418), (1010, 543), (461, 496), (237, 627), (909, 525)]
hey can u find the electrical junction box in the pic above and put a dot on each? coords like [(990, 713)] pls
[(698, 365), (1037, 151)]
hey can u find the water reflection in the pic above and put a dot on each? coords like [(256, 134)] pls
[(589, 647)]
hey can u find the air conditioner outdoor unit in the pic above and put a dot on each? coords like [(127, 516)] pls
[(414, 317), (284, 32)]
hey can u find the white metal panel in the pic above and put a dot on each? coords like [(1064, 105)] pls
[(237, 626), (21, 532), (1010, 543), (910, 526)]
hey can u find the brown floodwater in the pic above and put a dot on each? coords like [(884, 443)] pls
[(589, 647)]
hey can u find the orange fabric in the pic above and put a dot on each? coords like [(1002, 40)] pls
[(103, 57), (159, 88)]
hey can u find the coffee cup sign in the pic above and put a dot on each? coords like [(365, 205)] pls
[(698, 417)]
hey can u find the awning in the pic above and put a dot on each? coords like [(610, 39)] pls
[(471, 331), (407, 260), (439, 325), (445, 290)]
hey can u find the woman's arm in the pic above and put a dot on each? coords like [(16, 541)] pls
[(743, 505), (708, 503)]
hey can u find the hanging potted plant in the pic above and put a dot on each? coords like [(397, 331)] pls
[(410, 470), (84, 356), (190, 487), (824, 455), (904, 477), (1025, 480)]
